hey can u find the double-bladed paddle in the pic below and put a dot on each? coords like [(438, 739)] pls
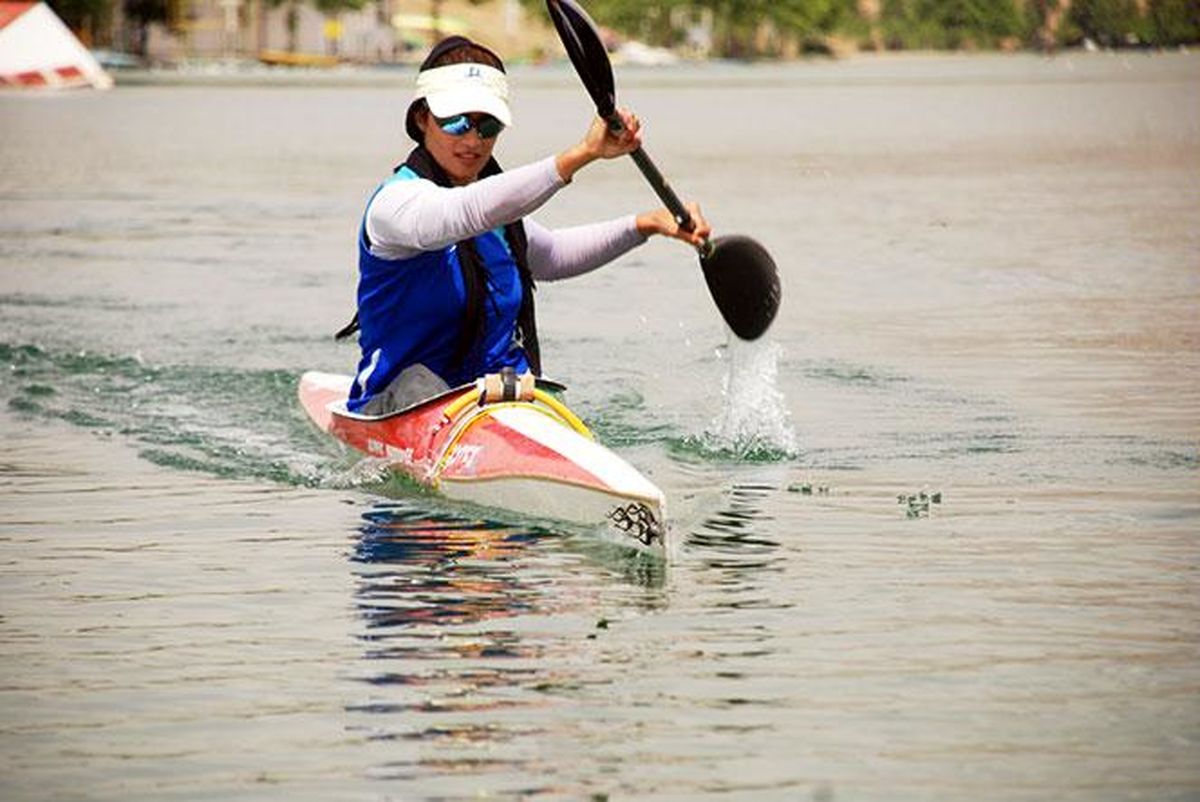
[(740, 273)]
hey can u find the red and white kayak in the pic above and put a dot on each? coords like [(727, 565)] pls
[(531, 456)]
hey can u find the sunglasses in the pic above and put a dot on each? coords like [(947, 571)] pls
[(487, 126)]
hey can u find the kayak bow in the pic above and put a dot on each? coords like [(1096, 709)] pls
[(531, 455)]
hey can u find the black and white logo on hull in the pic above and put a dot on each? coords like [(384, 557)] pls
[(638, 521)]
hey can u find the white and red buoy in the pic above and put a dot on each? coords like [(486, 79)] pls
[(38, 51)]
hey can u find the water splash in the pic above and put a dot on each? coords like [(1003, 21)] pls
[(754, 423)]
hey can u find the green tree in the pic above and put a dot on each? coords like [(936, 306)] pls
[(939, 24), (336, 6), (795, 23), (1174, 22), (736, 23), (906, 24), (741, 28), (978, 22), (749, 28), (648, 19), (1110, 22)]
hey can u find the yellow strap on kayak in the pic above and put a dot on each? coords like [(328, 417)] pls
[(460, 408), (563, 412), (455, 408)]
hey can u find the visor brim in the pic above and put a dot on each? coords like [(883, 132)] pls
[(450, 102)]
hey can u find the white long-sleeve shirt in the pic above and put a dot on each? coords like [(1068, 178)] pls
[(408, 217)]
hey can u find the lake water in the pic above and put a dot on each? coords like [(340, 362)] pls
[(991, 271)]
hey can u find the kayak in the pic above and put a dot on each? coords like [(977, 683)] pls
[(498, 445)]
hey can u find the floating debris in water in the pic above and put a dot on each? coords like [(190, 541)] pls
[(601, 623), (917, 504), (808, 489)]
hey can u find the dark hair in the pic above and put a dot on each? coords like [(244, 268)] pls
[(451, 50), (460, 50)]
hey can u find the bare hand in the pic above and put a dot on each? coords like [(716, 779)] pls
[(604, 143), (661, 221), (601, 143)]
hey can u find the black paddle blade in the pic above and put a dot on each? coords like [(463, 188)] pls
[(740, 273), (582, 42), (744, 283)]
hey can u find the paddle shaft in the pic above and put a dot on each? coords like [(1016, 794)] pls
[(740, 274), (657, 182)]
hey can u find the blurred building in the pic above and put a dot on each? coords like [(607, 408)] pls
[(383, 31)]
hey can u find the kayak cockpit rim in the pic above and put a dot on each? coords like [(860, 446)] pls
[(339, 407)]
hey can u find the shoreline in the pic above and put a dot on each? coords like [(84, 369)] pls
[(252, 73)]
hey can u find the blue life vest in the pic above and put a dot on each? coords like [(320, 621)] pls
[(411, 311)]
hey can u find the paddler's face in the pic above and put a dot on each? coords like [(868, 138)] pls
[(462, 157)]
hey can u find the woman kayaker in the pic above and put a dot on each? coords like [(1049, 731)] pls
[(447, 258)]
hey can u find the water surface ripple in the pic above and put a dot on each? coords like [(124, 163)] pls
[(935, 538)]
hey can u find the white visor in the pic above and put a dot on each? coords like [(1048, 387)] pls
[(461, 88)]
